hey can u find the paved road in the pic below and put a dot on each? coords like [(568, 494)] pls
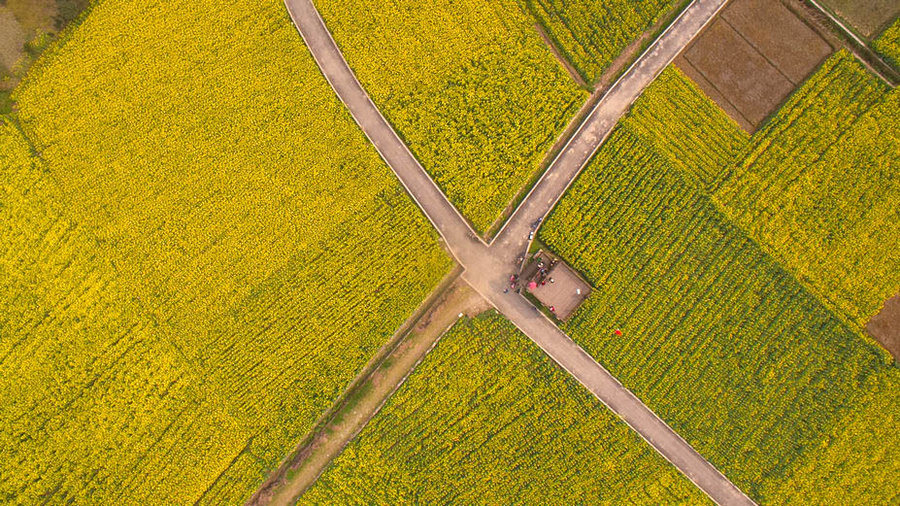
[(600, 122), (458, 235), (487, 267)]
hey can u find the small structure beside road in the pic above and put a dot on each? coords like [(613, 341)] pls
[(554, 284)]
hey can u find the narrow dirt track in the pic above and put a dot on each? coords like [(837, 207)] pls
[(487, 267)]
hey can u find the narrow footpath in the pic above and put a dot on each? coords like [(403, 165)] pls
[(329, 441), (487, 267)]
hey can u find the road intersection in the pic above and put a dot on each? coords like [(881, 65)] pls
[(488, 265)]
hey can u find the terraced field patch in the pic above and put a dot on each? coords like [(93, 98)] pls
[(488, 418), (195, 241)]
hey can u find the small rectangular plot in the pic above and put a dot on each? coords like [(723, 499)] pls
[(748, 81)]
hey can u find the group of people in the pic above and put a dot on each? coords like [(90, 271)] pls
[(513, 284), (540, 276)]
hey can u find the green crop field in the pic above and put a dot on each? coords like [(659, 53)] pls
[(592, 33), (200, 250), (487, 418), (739, 355), (888, 44), (469, 85)]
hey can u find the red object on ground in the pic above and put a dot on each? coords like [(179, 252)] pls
[(532, 285), (618, 332)]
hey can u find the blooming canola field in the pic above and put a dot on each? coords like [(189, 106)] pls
[(469, 85), (488, 418), (726, 333), (592, 33), (195, 241)]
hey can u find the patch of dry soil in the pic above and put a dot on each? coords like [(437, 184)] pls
[(12, 39), (885, 326)]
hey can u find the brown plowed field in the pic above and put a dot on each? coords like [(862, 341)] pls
[(752, 57), (868, 17), (885, 326)]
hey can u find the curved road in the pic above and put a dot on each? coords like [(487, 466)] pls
[(487, 267)]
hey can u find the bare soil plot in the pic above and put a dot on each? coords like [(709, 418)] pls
[(12, 39), (41, 15), (752, 57), (885, 326), (26, 27), (868, 17), (560, 289)]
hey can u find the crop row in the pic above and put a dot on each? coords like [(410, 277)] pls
[(687, 128), (888, 44), (468, 84), (487, 418), (200, 250), (592, 33), (719, 339), (817, 188)]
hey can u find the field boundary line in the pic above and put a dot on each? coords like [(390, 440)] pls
[(838, 22)]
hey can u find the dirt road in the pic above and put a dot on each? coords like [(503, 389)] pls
[(487, 267), (369, 398)]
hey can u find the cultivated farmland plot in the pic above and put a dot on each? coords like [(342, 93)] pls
[(818, 188), (592, 33), (470, 86), (750, 347), (866, 17), (888, 44), (487, 418), (200, 250)]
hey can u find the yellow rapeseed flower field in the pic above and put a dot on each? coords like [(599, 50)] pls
[(469, 85), (199, 251), (818, 188), (488, 418), (726, 335), (592, 33), (888, 43)]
